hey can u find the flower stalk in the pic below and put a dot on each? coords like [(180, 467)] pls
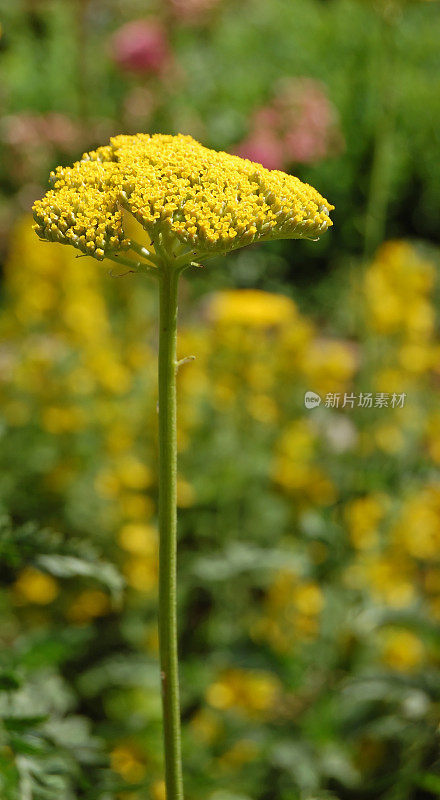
[(168, 282)]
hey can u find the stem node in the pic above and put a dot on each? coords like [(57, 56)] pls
[(184, 361)]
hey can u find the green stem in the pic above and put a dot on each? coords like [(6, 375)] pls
[(168, 281), (381, 170)]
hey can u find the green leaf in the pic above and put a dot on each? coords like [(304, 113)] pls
[(296, 759), (9, 682), (239, 558), (27, 745), (429, 781), (71, 567), (20, 724)]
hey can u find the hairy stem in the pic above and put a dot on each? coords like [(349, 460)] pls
[(168, 281)]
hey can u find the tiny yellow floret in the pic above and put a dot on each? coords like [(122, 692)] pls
[(191, 201)]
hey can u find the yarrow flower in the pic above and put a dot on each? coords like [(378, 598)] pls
[(192, 202)]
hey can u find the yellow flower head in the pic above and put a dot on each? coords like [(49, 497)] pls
[(191, 201)]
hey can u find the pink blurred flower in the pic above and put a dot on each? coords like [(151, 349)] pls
[(299, 125), (32, 141), (141, 46), (264, 147), (61, 131), (311, 130), (29, 129)]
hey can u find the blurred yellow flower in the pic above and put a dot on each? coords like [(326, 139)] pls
[(389, 577), (294, 468), (111, 374), (59, 420), (260, 374), (420, 319), (417, 358), (141, 573), (263, 408), (242, 752), (127, 761), (402, 650), (139, 539), (34, 586), (127, 473), (107, 483), (389, 438), (397, 285), (252, 308), (292, 608), (225, 394), (252, 692), (297, 442), (206, 726), (329, 365), (158, 790), (133, 473), (418, 527), (137, 506), (390, 379), (119, 438), (85, 314), (363, 516), (185, 493), (294, 340), (308, 599), (88, 605)]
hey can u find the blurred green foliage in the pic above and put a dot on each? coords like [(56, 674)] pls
[(57, 57), (309, 540)]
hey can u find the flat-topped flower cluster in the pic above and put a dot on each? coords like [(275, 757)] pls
[(191, 201)]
